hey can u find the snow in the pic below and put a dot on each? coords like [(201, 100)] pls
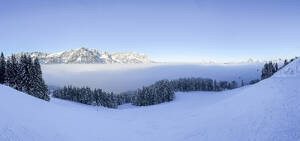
[(292, 70), (128, 77), (266, 111)]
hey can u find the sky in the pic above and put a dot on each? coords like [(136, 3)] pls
[(165, 30)]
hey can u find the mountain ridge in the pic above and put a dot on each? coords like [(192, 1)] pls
[(88, 56), (93, 56)]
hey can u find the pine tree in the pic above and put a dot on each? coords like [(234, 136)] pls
[(286, 62), (223, 85), (159, 92), (254, 81), (13, 75), (233, 85), (25, 78), (2, 69), (215, 85), (276, 67), (90, 97), (40, 89), (268, 70)]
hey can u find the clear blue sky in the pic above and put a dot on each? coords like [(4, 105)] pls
[(166, 30)]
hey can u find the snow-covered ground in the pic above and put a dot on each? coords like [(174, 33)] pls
[(127, 77), (266, 111)]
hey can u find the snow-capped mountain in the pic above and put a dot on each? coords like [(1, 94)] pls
[(86, 56)]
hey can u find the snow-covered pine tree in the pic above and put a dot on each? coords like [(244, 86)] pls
[(264, 73), (12, 73), (87, 96), (31, 84), (97, 97), (286, 62), (233, 85), (2, 69), (168, 92), (215, 85), (113, 103), (210, 85), (254, 81), (268, 70), (24, 75), (229, 86), (276, 67), (223, 85), (40, 89), (159, 92)]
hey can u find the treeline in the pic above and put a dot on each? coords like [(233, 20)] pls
[(23, 74), (164, 90), (159, 92), (271, 68), (201, 84), (268, 70), (95, 97)]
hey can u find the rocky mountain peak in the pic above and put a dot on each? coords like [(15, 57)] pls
[(89, 56)]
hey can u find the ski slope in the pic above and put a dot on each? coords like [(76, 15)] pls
[(266, 111)]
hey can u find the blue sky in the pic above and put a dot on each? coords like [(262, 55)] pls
[(166, 30)]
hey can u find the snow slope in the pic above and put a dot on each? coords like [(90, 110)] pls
[(127, 77), (266, 111)]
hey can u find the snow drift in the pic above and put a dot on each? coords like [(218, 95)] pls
[(266, 111)]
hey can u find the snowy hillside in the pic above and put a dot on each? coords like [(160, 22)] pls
[(292, 70), (266, 111), (86, 56)]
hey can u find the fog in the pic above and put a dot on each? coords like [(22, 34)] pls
[(127, 77)]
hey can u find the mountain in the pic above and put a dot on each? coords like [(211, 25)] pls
[(86, 56), (93, 56)]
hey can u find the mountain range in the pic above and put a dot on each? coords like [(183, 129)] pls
[(92, 56), (88, 56)]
